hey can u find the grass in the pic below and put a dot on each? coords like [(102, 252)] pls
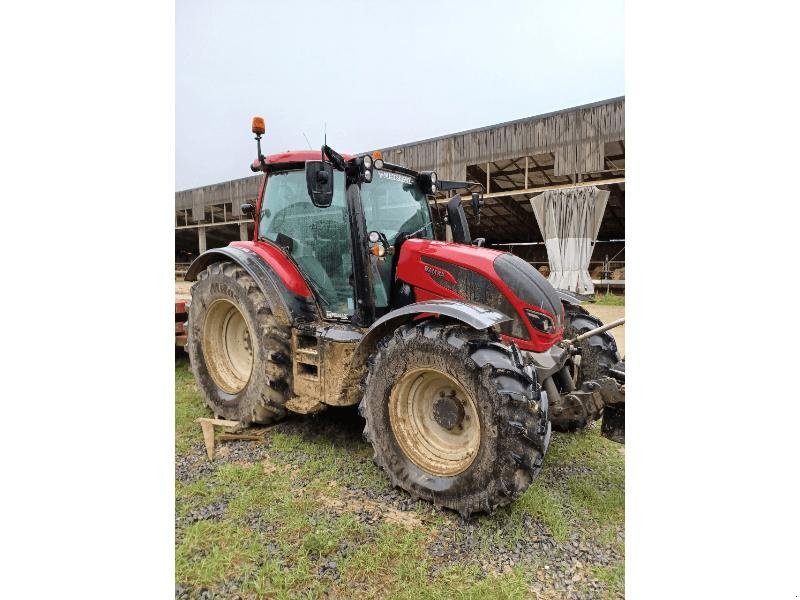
[(188, 408), (292, 523), (603, 299), (613, 577)]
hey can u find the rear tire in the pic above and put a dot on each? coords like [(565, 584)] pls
[(239, 354), (425, 358)]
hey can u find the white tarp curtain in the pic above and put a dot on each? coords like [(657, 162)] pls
[(569, 220)]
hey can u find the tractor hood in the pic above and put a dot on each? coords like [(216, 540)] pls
[(497, 279), (528, 284)]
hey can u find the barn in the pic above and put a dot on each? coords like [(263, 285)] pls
[(555, 192)]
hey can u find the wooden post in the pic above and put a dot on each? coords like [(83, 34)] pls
[(488, 181), (525, 187), (243, 232), (207, 425), (201, 238)]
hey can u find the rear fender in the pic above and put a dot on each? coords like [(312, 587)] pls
[(287, 305)]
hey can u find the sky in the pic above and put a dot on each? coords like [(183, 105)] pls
[(377, 74)]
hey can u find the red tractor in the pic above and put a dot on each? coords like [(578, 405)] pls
[(454, 353)]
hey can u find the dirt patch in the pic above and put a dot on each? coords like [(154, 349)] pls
[(353, 503), (269, 467)]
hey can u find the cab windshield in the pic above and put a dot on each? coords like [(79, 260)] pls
[(393, 204)]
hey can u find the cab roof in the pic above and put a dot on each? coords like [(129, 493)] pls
[(291, 156)]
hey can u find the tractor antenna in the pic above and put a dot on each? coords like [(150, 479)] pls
[(307, 142)]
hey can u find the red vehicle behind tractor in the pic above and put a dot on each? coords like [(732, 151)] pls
[(454, 353)]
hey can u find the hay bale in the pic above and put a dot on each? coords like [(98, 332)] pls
[(545, 270), (597, 272), (618, 274)]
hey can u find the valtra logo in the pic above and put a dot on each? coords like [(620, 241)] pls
[(442, 277)]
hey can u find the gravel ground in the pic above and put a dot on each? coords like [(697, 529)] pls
[(562, 569)]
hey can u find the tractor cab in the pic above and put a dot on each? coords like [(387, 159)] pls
[(340, 220)]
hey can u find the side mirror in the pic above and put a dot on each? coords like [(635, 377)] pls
[(248, 210), (477, 203), (457, 219), (319, 179)]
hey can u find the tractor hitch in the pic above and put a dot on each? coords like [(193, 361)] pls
[(605, 394), (571, 405)]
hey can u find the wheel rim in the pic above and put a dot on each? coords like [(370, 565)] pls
[(227, 346), (435, 421)]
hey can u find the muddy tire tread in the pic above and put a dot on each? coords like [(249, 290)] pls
[(522, 428), (271, 382)]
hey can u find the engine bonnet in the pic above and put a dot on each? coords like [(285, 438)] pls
[(497, 279), (529, 285)]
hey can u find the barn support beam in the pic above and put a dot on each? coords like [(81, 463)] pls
[(202, 225), (560, 186), (510, 205), (201, 238), (526, 172), (243, 232)]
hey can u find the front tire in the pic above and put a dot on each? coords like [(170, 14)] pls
[(239, 354), (598, 354), (453, 417)]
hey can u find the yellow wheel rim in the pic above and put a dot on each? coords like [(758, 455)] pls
[(227, 346), (435, 421)]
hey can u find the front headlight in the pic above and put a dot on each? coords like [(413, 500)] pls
[(367, 161), (541, 322)]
